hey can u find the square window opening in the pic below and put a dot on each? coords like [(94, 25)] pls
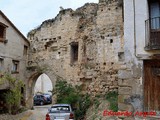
[(1, 64), (2, 33), (74, 52), (25, 51), (15, 68)]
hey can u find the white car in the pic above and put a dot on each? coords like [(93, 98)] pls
[(60, 112)]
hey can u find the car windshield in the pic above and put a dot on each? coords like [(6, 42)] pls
[(59, 108)]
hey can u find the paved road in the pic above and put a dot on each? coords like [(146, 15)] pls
[(38, 113)]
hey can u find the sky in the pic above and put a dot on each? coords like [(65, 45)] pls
[(28, 14)]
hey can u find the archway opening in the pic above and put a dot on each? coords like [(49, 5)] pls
[(42, 90)]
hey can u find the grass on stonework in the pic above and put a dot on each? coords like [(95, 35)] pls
[(112, 97)]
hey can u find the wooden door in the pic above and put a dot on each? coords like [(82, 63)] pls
[(152, 85)]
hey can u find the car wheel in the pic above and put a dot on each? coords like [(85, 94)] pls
[(41, 103)]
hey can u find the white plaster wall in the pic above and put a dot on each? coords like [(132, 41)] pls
[(128, 26), (43, 84), (132, 58), (141, 14)]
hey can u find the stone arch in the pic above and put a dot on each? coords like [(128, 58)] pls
[(31, 84)]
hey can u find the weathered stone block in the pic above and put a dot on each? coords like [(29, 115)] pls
[(124, 74), (129, 118), (125, 90), (115, 83), (123, 67), (121, 98), (124, 82), (125, 107)]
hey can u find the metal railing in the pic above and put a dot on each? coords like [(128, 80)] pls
[(152, 34)]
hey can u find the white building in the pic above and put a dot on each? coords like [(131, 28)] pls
[(43, 84), (142, 55)]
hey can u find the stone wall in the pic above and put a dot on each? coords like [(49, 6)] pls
[(130, 76), (98, 30), (13, 49)]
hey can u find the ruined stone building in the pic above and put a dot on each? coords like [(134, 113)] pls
[(13, 52), (112, 45), (83, 46), (109, 46)]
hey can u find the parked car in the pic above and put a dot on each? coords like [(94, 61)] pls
[(49, 97), (60, 112), (42, 99)]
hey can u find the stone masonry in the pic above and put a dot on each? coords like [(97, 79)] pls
[(97, 29)]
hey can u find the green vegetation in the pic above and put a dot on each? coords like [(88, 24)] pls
[(42, 68), (83, 105), (96, 102), (66, 93), (13, 95), (112, 97)]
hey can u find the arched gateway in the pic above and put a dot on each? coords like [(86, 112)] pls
[(31, 84)]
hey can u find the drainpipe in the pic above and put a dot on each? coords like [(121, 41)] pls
[(135, 40), (135, 47)]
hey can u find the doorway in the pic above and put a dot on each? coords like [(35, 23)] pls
[(151, 85)]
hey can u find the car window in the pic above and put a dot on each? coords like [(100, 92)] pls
[(42, 96), (35, 97), (47, 95), (59, 108)]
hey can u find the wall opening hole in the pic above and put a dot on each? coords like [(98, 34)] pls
[(121, 56), (74, 52), (111, 40)]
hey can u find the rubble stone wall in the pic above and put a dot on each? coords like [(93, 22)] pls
[(98, 30)]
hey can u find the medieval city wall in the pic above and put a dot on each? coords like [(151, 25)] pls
[(97, 29)]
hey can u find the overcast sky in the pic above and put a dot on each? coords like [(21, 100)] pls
[(28, 14)]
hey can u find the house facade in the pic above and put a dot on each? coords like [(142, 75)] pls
[(139, 83), (13, 52)]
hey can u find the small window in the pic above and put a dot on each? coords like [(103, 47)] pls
[(15, 68), (25, 51), (74, 52), (2, 33), (121, 56), (1, 64)]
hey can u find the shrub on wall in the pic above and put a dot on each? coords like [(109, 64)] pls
[(13, 95), (68, 94)]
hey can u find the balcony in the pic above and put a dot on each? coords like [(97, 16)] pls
[(152, 34)]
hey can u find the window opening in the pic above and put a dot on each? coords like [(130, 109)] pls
[(74, 52), (15, 68)]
